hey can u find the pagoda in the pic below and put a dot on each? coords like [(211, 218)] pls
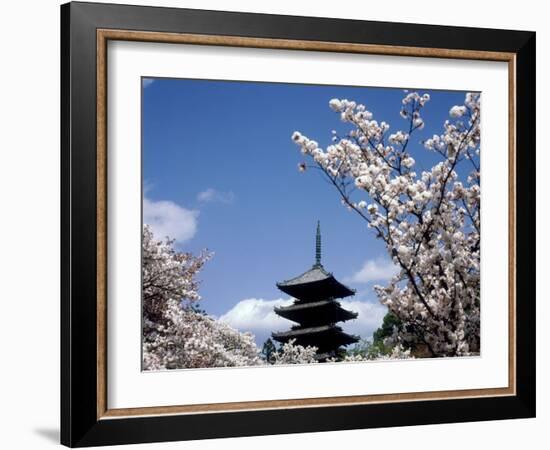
[(316, 310)]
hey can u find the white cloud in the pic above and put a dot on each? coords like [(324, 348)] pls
[(167, 218), (369, 319), (146, 82), (213, 195), (378, 269), (257, 316)]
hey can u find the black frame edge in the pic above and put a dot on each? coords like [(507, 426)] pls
[(525, 223), (65, 417), (78, 218)]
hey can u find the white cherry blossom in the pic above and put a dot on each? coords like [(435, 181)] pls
[(429, 222), (290, 353), (175, 334)]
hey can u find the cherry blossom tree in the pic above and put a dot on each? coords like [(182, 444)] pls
[(290, 353), (175, 334), (429, 221), (367, 350), (371, 353), (167, 275), (189, 339)]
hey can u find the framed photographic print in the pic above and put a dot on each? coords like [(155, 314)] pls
[(276, 224)]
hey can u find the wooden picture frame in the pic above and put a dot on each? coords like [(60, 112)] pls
[(86, 418)]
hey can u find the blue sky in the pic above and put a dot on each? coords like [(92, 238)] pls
[(220, 172)]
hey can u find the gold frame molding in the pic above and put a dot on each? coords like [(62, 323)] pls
[(105, 35)]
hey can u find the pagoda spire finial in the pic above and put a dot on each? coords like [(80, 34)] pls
[(318, 245)]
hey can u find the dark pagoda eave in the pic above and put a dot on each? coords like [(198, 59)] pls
[(310, 305), (302, 311), (324, 289), (326, 330), (316, 273), (316, 283)]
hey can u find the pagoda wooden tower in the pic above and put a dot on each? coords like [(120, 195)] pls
[(316, 309)]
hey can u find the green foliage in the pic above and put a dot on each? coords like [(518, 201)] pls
[(364, 348), (268, 351), (371, 349), (386, 330), (196, 308)]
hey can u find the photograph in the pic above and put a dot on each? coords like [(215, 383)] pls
[(287, 223)]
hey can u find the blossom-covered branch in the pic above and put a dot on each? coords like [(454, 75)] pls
[(167, 274), (429, 222), (175, 336), (193, 340), (290, 353)]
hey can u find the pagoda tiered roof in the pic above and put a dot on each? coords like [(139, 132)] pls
[(316, 310), (324, 311), (315, 284), (321, 336)]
